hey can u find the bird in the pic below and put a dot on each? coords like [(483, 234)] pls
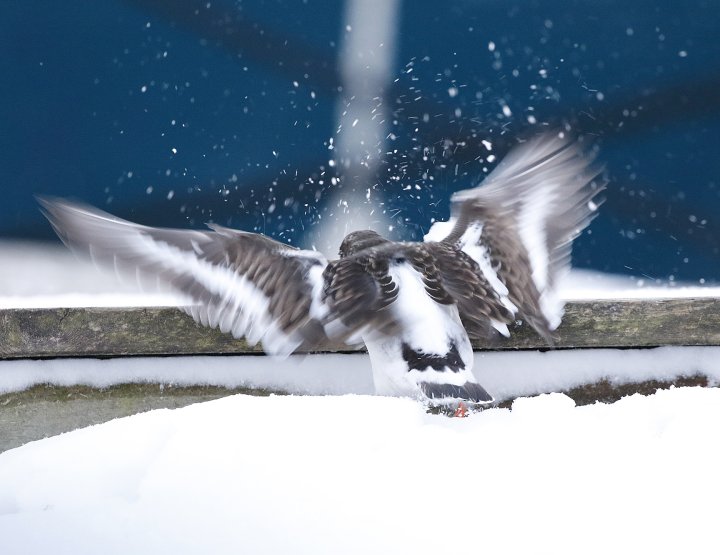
[(416, 306)]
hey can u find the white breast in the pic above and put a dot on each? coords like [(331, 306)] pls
[(425, 325)]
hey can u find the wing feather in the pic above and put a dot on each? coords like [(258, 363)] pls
[(359, 289), (480, 307), (520, 223), (244, 283)]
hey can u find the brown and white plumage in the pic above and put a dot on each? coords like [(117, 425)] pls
[(415, 305), (520, 223)]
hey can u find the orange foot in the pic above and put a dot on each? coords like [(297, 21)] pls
[(461, 411)]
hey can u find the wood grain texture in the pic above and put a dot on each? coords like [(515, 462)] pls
[(117, 332)]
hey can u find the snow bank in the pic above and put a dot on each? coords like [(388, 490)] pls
[(373, 475)]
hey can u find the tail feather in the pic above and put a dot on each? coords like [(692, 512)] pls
[(450, 393)]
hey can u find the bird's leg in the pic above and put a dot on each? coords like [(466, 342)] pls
[(461, 411)]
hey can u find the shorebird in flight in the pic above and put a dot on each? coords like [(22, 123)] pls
[(415, 305)]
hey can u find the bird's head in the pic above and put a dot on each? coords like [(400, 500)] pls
[(358, 241)]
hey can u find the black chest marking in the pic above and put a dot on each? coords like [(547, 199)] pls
[(420, 360)]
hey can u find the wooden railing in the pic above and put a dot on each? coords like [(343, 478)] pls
[(121, 332), (117, 332)]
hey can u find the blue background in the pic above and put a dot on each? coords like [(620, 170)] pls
[(96, 95)]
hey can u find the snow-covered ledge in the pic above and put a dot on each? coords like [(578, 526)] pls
[(48, 318)]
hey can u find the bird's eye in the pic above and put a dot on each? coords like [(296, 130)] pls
[(399, 259)]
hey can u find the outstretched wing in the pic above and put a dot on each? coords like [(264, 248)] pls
[(359, 290), (244, 283), (518, 226), (455, 273)]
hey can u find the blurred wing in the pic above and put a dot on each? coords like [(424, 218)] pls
[(244, 283), (360, 291), (456, 274), (518, 226)]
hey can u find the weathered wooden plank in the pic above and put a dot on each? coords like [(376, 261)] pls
[(630, 323), (116, 332), (61, 332)]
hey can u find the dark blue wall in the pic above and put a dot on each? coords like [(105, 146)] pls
[(96, 95)]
